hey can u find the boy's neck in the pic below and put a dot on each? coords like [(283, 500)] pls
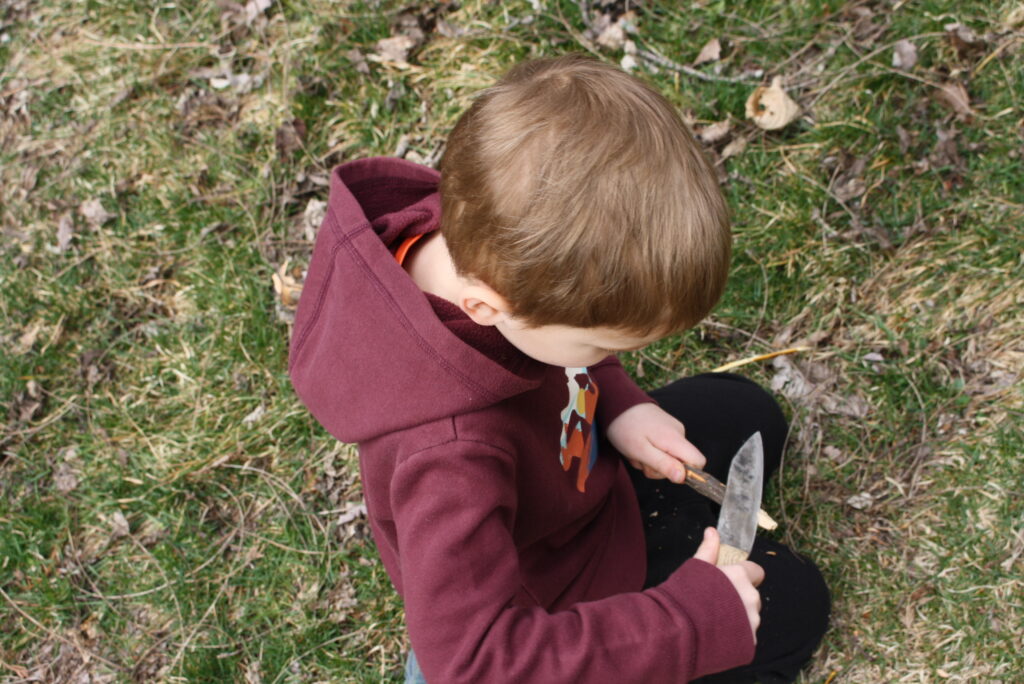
[(431, 268)]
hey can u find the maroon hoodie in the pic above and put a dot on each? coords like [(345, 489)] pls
[(509, 572)]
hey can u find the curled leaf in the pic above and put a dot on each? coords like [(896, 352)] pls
[(715, 132), (771, 108), (904, 55), (711, 52), (394, 50), (1014, 18), (954, 95), (964, 40), (734, 148), (65, 232), (287, 287), (613, 37), (860, 501), (94, 213)]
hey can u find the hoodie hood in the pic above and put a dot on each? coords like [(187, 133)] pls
[(371, 353)]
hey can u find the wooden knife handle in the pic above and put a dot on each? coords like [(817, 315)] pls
[(730, 555)]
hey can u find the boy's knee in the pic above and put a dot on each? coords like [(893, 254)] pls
[(728, 404), (795, 615)]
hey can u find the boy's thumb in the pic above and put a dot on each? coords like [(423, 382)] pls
[(708, 549)]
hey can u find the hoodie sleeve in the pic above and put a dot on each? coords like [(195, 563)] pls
[(618, 391), (454, 510)]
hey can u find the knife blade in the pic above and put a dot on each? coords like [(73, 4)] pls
[(713, 488), (737, 522)]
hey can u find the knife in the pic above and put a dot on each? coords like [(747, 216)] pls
[(737, 522), (711, 487)]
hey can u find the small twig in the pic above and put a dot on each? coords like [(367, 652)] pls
[(228, 538), (584, 13), (759, 357), (647, 357), (18, 670), (184, 646), (82, 651), (92, 40), (319, 648), (753, 337), (871, 55), (281, 484), (995, 53), (660, 60), (823, 188)]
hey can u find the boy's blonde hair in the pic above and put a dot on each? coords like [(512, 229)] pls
[(575, 191)]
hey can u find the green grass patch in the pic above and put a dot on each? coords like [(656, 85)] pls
[(168, 509)]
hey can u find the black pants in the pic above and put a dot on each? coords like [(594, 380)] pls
[(720, 411)]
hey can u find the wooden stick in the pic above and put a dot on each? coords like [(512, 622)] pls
[(712, 488), (759, 357)]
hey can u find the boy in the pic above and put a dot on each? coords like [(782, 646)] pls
[(462, 328)]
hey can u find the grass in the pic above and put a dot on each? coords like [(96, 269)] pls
[(170, 512)]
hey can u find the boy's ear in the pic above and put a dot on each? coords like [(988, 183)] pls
[(482, 304)]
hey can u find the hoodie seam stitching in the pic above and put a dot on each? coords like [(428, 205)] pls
[(357, 257), (318, 307), (459, 440)]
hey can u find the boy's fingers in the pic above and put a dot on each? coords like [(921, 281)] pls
[(708, 549), (659, 463), (754, 571), (683, 449)]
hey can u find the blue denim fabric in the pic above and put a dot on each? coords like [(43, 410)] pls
[(413, 674)]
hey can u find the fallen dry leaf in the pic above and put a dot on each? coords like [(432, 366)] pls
[(353, 512), (711, 52), (199, 109), (28, 339), (119, 526), (860, 501), (94, 213), (815, 386), (254, 8), (289, 137), (771, 108), (865, 30), (65, 475), (287, 287), (65, 232), (904, 55), (352, 523), (954, 95), (610, 31), (734, 148), (1014, 18), (252, 674), (238, 19), (964, 40), (254, 416), (906, 139), (28, 179), (613, 37), (340, 600), (27, 404), (715, 132), (394, 50), (358, 61), (312, 217), (847, 181)]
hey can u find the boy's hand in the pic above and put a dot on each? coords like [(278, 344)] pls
[(744, 576), (654, 441)]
